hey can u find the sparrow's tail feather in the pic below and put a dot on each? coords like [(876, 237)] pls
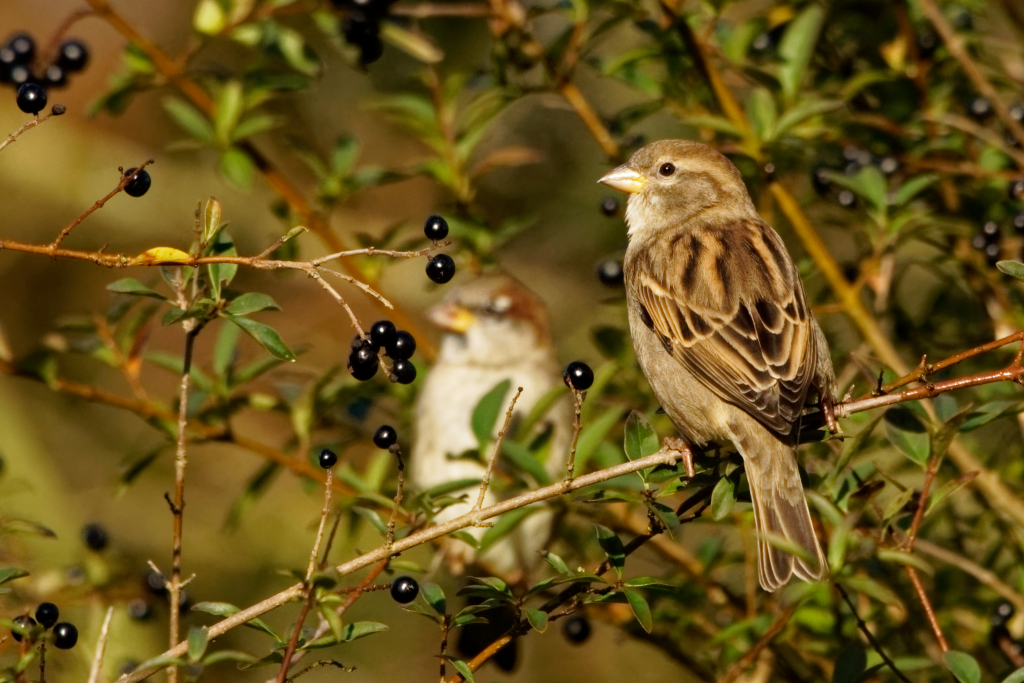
[(780, 510)]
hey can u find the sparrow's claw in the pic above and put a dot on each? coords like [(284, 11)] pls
[(827, 409), (674, 443)]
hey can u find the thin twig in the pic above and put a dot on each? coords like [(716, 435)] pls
[(764, 641), (28, 126), (101, 647), (983, 575), (577, 427), (928, 610), (122, 181), (922, 503), (389, 539), (486, 481), (286, 660), (428, 10), (871, 638)]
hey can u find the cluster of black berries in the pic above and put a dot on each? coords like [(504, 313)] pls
[(361, 26), (440, 268), (999, 635), (987, 242), (399, 346), (17, 69), (578, 376), (854, 159), (65, 635)]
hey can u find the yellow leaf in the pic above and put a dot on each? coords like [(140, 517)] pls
[(158, 255)]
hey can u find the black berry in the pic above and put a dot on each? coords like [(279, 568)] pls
[(846, 199), (820, 180), (990, 231), (402, 346), (31, 97), (403, 371), (1018, 222), (404, 589), (73, 56), (609, 272), (578, 376), (362, 362), (385, 437), (65, 635), (47, 614), (992, 254), (436, 228), (328, 458), (24, 621), (139, 609), (1016, 189), (24, 48), (609, 206), (156, 583), (441, 268), (55, 76), (95, 536), (888, 165), (576, 629), (20, 75), (979, 108), (1004, 611), (927, 43), (139, 185), (382, 333)]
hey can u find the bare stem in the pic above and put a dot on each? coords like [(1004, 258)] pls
[(26, 127), (577, 427), (929, 612), (389, 540), (871, 638), (486, 481), (101, 648), (764, 641)]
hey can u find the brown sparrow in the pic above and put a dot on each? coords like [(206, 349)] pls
[(723, 332), (496, 329)]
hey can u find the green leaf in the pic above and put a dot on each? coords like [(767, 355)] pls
[(463, 668), (723, 497), (869, 184), (505, 525), (10, 574), (228, 111), (913, 187), (133, 287), (228, 656), (267, 337), (160, 662), (612, 546), (434, 596), (640, 439), (904, 558), (850, 448), (238, 168), (190, 119), (796, 48), (800, 112), (593, 436), (538, 619), (523, 460), (221, 274), (486, 412), (963, 666), (1016, 677), (361, 629), (224, 350), (907, 434), (414, 43), (212, 225), (641, 610), (254, 125), (198, 638), (1012, 268), (762, 112), (251, 302), (557, 562)]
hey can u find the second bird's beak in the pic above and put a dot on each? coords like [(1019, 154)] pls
[(625, 179), (452, 317)]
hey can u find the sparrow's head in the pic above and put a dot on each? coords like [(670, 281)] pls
[(672, 181), (492, 320)]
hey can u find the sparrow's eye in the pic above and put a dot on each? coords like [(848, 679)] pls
[(667, 169)]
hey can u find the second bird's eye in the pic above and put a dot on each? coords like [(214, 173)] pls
[(667, 169)]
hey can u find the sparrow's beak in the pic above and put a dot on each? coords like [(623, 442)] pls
[(452, 317), (625, 179)]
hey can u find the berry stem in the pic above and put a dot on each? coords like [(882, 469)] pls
[(29, 125), (577, 426), (389, 540), (497, 449), (125, 179)]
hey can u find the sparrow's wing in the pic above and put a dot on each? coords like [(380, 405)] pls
[(727, 303)]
